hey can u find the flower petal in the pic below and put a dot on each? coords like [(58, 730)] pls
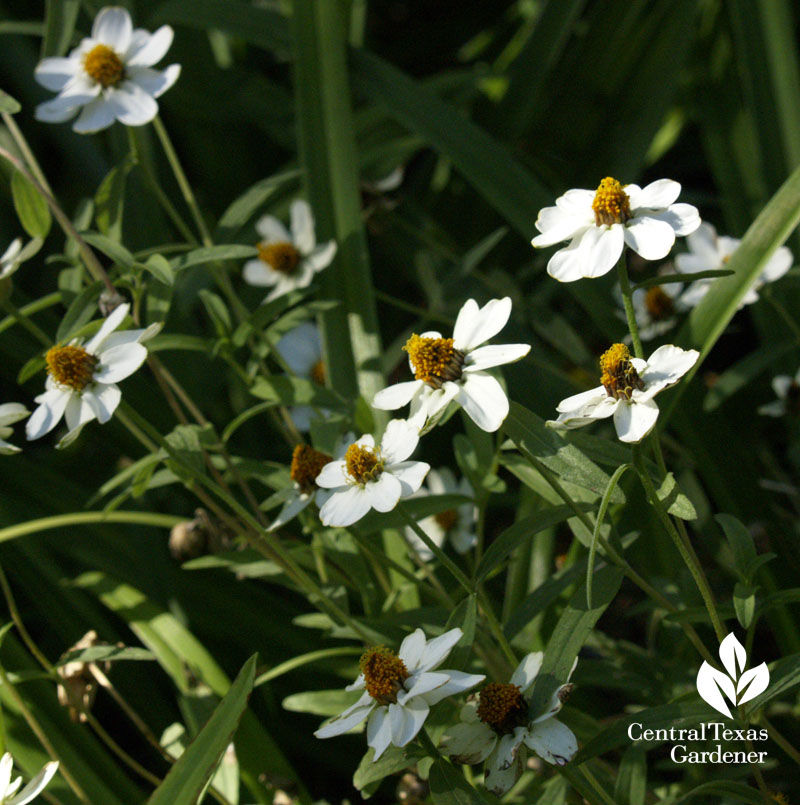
[(113, 27), (649, 237), (777, 265), (552, 741), (134, 106), (257, 272), (497, 780), (147, 50), (665, 367), (321, 256), (302, 222), (468, 743), (508, 746), (484, 400), (154, 82), (332, 475), (103, 400), (11, 413), (458, 683), (272, 230), (290, 510), (399, 441), (683, 218), (119, 362), (527, 670), (495, 355), (384, 493), (346, 507), (379, 731), (411, 649), (301, 348), (36, 785), (348, 719), (422, 683), (96, 116), (657, 195), (436, 650), (54, 73), (475, 325), (410, 474), (407, 720), (635, 420), (52, 406), (396, 396)]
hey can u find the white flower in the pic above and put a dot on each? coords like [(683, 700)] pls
[(710, 252), (449, 369), (82, 379), (627, 391), (399, 690), (9, 414), (600, 223), (496, 726), (372, 478), (301, 349), (787, 390), (9, 261), (288, 261), (8, 790), (457, 524), (109, 74)]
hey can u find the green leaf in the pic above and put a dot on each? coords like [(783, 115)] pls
[(464, 617), (393, 760), (8, 105), (283, 390), (532, 437), (160, 268), (80, 312), (32, 209), (213, 254), (783, 676), (59, 26), (631, 785), (320, 702), (110, 248), (109, 200), (675, 502), (741, 542), (522, 530), (217, 311), (448, 786), (664, 279), (744, 603), (186, 443), (187, 778), (724, 788), (106, 654)]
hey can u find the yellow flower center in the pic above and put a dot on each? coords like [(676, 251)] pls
[(71, 366), (619, 377), (282, 257), (318, 374), (104, 66), (611, 204), (659, 304), (502, 707), (363, 463), (446, 519), (306, 466), (384, 673), (435, 360)]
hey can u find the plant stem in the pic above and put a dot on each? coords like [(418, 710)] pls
[(26, 323), (627, 301)]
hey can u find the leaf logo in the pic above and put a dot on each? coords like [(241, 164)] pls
[(738, 685)]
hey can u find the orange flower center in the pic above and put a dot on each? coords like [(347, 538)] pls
[(619, 377), (71, 366), (384, 674), (318, 373), (282, 257), (363, 463), (659, 304), (104, 66), (306, 466), (435, 360), (611, 204), (502, 707)]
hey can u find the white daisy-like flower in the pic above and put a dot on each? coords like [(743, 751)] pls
[(9, 414), (627, 388), (8, 789), (288, 261), (301, 349), (109, 75), (447, 369), (787, 390), (82, 378), (370, 477), (457, 524), (655, 308), (306, 466), (399, 690), (600, 223), (9, 260), (498, 727), (711, 252)]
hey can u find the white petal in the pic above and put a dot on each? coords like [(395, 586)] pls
[(600, 250), (498, 781), (634, 421), (484, 400), (290, 510), (78, 412), (154, 82), (552, 741), (257, 272), (665, 367), (495, 355), (384, 492), (345, 508), (333, 475), (301, 348), (399, 441), (6, 766), (422, 683), (103, 400), (113, 27), (436, 650), (114, 319), (407, 720), (134, 106), (410, 474), (468, 743), (777, 265), (55, 73), (649, 237), (96, 116), (776, 408), (703, 243), (272, 230), (780, 385), (527, 670), (302, 222), (585, 402), (48, 414), (348, 719), (656, 196), (36, 785), (410, 651), (557, 225), (379, 731), (145, 51), (55, 111), (508, 746), (11, 413), (396, 396), (119, 362), (458, 683), (321, 256), (683, 218), (474, 325)]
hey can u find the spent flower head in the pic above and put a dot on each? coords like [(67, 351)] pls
[(109, 76), (600, 223)]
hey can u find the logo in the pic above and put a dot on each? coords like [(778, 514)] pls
[(738, 685)]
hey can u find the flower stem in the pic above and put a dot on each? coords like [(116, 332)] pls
[(428, 744), (688, 556), (627, 301), (26, 323)]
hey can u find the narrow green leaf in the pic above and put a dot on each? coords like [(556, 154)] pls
[(393, 760), (187, 778), (740, 540), (744, 603), (631, 785), (783, 677), (213, 254), (59, 26), (8, 105), (281, 390), (110, 248), (664, 279), (160, 268), (675, 502), (464, 616), (80, 312), (217, 311), (723, 788), (109, 200), (106, 654), (448, 786), (32, 209)]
